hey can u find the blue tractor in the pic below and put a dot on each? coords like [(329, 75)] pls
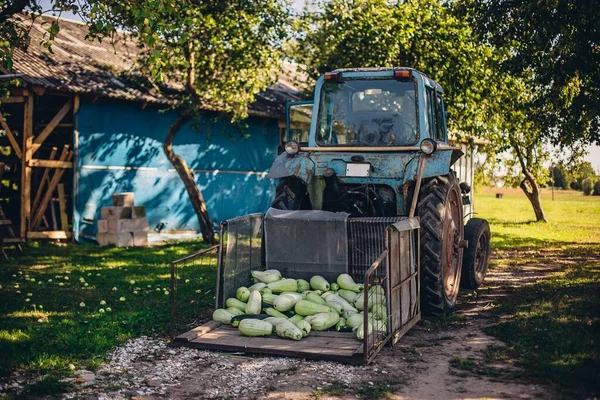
[(374, 143)]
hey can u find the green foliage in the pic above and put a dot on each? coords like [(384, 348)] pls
[(221, 53), (597, 188), (554, 45), (422, 34), (587, 185)]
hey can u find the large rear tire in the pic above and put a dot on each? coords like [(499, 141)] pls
[(477, 256), (441, 217)]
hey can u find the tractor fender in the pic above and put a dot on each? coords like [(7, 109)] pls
[(300, 165), (437, 164)]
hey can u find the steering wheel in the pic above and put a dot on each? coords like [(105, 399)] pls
[(413, 132)]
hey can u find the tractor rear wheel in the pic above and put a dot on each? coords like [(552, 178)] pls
[(441, 216)]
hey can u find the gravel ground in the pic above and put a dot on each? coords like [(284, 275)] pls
[(147, 367)]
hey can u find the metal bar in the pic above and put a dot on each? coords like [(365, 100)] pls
[(219, 295), (405, 281), (172, 299), (373, 148), (418, 179), (195, 254)]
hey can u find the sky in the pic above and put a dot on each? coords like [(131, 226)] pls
[(594, 157), (593, 151)]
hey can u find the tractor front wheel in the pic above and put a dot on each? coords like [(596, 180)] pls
[(477, 256), (441, 218)]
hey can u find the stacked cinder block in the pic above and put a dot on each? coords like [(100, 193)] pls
[(123, 224)]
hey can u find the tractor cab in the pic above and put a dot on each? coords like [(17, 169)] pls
[(364, 127)]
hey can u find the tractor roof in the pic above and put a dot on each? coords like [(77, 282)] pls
[(428, 80)]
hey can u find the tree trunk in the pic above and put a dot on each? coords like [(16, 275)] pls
[(530, 188), (529, 185), (187, 178)]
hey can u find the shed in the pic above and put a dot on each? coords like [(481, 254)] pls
[(77, 129)]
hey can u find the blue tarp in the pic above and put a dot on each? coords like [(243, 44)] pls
[(120, 150)]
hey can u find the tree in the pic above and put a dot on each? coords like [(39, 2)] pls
[(438, 39), (580, 171), (422, 34), (597, 188), (587, 185), (211, 54), (558, 43), (219, 53), (510, 124)]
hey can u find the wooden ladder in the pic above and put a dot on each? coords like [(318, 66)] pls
[(11, 238)]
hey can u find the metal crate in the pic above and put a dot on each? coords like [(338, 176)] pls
[(381, 251)]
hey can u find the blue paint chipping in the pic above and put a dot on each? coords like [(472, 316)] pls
[(120, 150)]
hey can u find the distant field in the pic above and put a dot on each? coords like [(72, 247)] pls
[(574, 219)]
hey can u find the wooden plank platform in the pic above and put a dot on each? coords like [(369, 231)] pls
[(330, 346)]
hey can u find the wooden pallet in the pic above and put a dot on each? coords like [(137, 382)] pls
[(330, 346)]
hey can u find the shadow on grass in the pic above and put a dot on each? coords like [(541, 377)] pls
[(552, 329)]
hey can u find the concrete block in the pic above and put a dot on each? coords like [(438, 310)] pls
[(127, 225), (123, 199), (138, 212), (117, 239), (103, 225), (115, 212), (140, 239)]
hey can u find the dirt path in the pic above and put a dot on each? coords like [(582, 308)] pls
[(450, 359)]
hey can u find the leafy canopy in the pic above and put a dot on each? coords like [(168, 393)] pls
[(557, 43), (422, 34)]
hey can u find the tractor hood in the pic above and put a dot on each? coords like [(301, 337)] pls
[(391, 168)]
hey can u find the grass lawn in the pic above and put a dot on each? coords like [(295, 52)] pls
[(63, 304), (552, 327)]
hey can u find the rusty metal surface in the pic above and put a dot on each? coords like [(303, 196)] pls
[(107, 69)]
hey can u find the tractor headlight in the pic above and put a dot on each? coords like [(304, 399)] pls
[(428, 146), (292, 147)]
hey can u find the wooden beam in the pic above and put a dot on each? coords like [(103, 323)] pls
[(48, 195), (57, 126), (12, 100), (39, 90), (62, 207), (52, 124), (11, 138), (76, 104), (38, 194), (27, 150), (51, 163), (49, 235)]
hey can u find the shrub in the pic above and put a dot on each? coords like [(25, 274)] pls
[(587, 186), (597, 188)]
